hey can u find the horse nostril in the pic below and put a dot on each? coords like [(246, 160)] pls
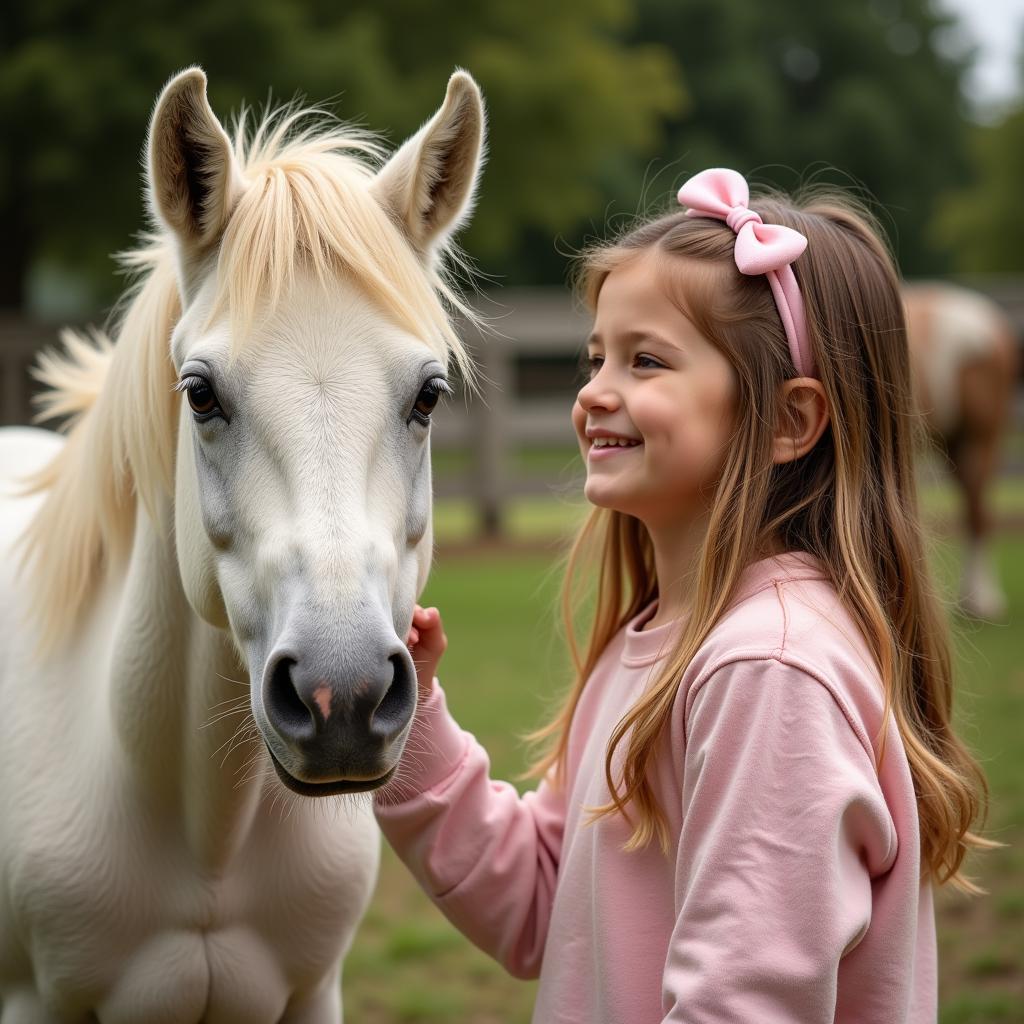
[(290, 713), (391, 714)]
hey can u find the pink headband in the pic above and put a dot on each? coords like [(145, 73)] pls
[(761, 248)]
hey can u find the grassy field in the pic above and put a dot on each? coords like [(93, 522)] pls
[(981, 941), (505, 665)]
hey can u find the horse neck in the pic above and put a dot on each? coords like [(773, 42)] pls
[(179, 704)]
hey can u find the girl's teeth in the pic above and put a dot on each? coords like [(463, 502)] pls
[(611, 442)]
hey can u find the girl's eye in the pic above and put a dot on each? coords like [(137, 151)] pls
[(428, 398), (644, 362), (201, 397), (591, 365)]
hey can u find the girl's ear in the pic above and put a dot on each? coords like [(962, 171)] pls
[(802, 421), (429, 184)]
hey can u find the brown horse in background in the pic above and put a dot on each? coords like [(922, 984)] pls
[(964, 359)]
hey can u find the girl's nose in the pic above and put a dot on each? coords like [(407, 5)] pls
[(598, 393)]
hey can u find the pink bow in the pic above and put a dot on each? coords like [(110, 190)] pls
[(719, 192), (761, 248)]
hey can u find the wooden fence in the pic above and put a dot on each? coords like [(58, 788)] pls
[(528, 361)]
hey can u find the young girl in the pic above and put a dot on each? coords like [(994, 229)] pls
[(754, 783)]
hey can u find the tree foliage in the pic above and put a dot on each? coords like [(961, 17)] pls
[(983, 224), (595, 107), (77, 83), (863, 93)]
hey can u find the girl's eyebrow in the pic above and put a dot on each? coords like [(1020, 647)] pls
[(636, 337)]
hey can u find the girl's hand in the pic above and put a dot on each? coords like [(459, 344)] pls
[(426, 642)]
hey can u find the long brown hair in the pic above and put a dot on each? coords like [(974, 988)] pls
[(851, 502)]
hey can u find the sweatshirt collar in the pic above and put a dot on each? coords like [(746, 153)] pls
[(644, 647)]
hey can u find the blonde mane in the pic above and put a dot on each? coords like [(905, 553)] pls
[(306, 205)]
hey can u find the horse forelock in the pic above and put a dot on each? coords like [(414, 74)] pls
[(307, 206)]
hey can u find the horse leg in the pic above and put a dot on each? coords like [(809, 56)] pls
[(322, 1006), (975, 458), (23, 1006)]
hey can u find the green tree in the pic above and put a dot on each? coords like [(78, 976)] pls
[(860, 93), (77, 83), (982, 224)]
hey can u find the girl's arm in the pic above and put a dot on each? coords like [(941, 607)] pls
[(486, 856), (784, 827)]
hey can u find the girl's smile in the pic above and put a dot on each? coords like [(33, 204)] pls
[(654, 420), (604, 444)]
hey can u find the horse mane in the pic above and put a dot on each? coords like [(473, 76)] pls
[(306, 205)]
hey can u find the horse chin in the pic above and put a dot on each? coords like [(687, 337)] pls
[(338, 787)]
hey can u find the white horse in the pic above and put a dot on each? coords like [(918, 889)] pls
[(218, 572)]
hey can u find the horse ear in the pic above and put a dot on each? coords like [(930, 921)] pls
[(429, 184), (194, 181)]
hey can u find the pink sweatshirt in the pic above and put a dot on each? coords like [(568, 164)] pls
[(791, 891)]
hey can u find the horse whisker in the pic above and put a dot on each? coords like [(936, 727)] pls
[(224, 714), (237, 738), (230, 700), (228, 679)]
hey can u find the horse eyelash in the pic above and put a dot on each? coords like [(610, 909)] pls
[(182, 385)]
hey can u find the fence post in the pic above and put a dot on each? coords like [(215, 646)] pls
[(13, 388), (490, 430), (20, 340)]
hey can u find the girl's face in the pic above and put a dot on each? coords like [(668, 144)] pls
[(655, 419)]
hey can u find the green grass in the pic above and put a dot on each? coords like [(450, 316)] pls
[(526, 519), (505, 665), (408, 963)]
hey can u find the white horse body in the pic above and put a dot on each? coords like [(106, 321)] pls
[(152, 888), (153, 868)]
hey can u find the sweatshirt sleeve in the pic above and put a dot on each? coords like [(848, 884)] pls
[(485, 855), (784, 826)]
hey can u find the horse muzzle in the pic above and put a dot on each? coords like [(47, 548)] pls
[(338, 724)]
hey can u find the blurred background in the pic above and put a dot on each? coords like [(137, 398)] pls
[(598, 110)]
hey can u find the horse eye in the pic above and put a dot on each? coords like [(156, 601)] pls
[(427, 399), (201, 397)]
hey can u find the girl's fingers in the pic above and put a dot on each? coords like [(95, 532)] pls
[(427, 643), (424, 618)]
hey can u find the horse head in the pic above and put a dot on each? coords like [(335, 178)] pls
[(312, 346)]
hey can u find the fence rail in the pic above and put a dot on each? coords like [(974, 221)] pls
[(527, 360)]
